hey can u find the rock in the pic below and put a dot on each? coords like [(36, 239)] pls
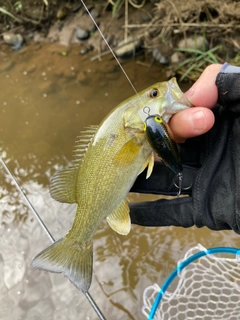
[(61, 13), (82, 34), (85, 49), (194, 42), (95, 13), (127, 49), (157, 55), (175, 58), (53, 33), (66, 35), (38, 37), (16, 40)]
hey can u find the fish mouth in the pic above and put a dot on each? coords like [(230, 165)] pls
[(171, 102)]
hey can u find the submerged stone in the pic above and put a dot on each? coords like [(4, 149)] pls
[(158, 56), (61, 13), (82, 34), (128, 48), (195, 42), (16, 40)]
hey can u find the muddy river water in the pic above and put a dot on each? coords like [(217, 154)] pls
[(47, 96)]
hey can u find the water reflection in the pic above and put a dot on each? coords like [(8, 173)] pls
[(45, 100)]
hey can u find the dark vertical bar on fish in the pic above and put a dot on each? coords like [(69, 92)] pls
[(87, 294)]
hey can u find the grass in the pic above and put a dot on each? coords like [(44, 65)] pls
[(236, 60), (4, 11), (192, 67)]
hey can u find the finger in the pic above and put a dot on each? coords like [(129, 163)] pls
[(204, 91), (190, 123)]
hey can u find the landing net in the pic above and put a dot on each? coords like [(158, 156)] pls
[(204, 286)]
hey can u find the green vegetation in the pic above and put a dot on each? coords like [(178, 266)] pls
[(116, 6), (192, 67)]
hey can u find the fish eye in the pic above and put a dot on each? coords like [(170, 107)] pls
[(158, 119), (153, 93)]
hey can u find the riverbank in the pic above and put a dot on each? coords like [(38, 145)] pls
[(185, 35)]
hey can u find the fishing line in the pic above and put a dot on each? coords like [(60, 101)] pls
[(37, 216), (109, 47)]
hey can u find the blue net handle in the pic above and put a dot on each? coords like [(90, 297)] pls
[(184, 264)]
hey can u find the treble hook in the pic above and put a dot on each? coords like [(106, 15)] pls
[(179, 186)]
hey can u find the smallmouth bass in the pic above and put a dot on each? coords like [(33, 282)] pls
[(107, 161)]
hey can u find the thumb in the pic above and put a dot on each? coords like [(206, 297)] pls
[(204, 92), (203, 95)]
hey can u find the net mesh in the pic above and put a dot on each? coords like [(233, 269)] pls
[(208, 288)]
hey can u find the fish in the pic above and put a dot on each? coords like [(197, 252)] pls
[(107, 160), (161, 142)]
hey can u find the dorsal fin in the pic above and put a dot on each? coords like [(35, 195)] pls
[(63, 184), (82, 143)]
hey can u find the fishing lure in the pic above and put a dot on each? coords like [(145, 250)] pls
[(159, 139)]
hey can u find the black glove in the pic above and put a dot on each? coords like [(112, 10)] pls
[(211, 165)]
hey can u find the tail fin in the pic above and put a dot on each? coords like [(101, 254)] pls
[(74, 260)]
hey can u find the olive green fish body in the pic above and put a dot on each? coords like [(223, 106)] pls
[(107, 160)]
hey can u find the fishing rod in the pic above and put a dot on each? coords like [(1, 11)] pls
[(37, 216)]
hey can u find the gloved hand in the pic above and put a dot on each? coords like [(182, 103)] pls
[(211, 166)]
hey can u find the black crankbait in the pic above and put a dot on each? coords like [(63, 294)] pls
[(159, 139)]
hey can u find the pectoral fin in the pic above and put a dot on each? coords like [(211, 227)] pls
[(150, 164), (119, 219), (127, 153)]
